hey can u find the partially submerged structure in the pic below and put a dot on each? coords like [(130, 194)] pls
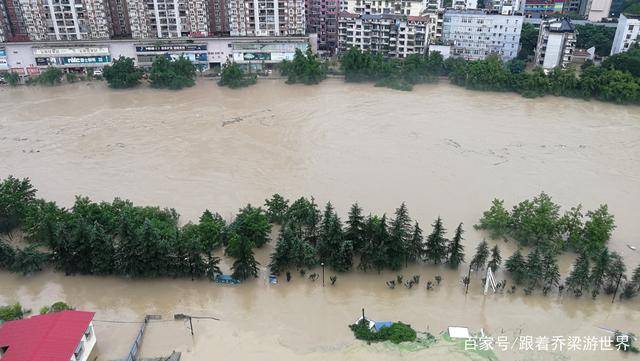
[(59, 336)]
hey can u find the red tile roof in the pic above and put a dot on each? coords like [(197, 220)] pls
[(50, 337)]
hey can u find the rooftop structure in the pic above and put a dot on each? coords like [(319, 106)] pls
[(60, 336)]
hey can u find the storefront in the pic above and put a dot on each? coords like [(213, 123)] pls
[(261, 55), (196, 53), (4, 64), (77, 58)]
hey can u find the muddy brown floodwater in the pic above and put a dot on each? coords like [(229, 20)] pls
[(444, 150)]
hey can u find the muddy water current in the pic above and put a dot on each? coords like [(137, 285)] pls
[(444, 150)]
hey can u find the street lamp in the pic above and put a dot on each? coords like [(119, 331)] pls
[(322, 264)]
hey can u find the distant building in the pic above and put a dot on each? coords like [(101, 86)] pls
[(433, 5), (627, 33), (595, 10), (476, 34), (322, 19), (218, 17), (464, 4), (434, 26), (60, 336), (168, 18), (393, 36), (444, 50), (545, 7), (392, 7), (266, 17), (507, 7), (556, 43)]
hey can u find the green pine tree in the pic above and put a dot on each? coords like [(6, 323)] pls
[(399, 238), (479, 260), (496, 259), (355, 227), (241, 249), (415, 249), (436, 247), (517, 267), (579, 278), (456, 249)]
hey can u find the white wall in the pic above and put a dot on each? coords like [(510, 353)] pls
[(553, 54)]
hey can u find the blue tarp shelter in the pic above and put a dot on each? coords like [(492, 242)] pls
[(227, 279), (381, 324)]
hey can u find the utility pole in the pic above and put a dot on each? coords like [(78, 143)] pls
[(617, 285), (466, 290)]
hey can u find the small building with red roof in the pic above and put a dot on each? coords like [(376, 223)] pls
[(59, 336)]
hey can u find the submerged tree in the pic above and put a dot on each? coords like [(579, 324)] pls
[(252, 223), (276, 208), (122, 73), (355, 228), (436, 245), (496, 259), (517, 267), (399, 238), (495, 220), (415, 249), (479, 260), (456, 249), (579, 278), (241, 249)]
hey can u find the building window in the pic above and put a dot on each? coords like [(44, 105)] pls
[(79, 350)]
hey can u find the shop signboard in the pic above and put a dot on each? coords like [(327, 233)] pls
[(73, 60), (170, 48), (199, 57), (77, 51), (282, 56), (3, 60)]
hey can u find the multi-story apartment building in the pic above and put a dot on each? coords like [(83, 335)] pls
[(548, 6), (393, 7), (595, 10), (168, 18), (556, 43), (119, 19), (385, 34), (434, 26), (322, 19), (475, 34), (433, 5), (507, 7), (218, 17), (266, 17), (464, 4), (627, 33)]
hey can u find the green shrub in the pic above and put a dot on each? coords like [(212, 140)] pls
[(396, 333)]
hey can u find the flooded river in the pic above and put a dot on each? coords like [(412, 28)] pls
[(444, 150)]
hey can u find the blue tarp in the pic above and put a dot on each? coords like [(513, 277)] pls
[(381, 324), (226, 279)]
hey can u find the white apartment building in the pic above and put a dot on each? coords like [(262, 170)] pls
[(556, 43), (393, 7), (168, 18), (627, 33), (266, 17), (434, 26), (507, 7), (464, 4), (390, 35), (595, 10), (475, 34), (75, 19), (433, 5)]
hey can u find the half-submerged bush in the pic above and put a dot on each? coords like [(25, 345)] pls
[(396, 333)]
